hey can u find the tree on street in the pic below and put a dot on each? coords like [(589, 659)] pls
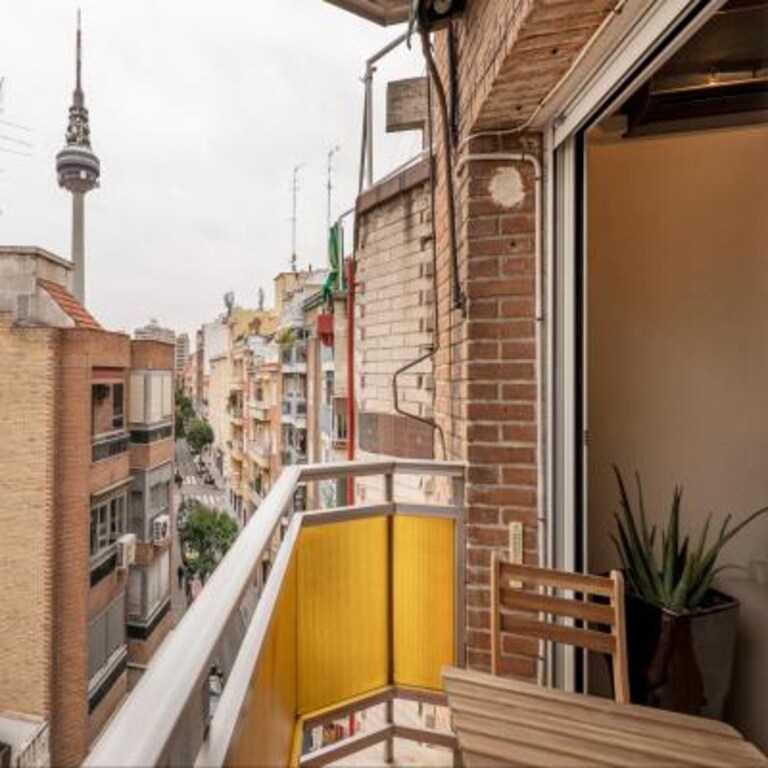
[(184, 412), (206, 536), (199, 434)]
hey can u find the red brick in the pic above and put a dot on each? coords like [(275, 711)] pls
[(484, 411), (520, 286), (519, 433), (517, 307), (519, 476)]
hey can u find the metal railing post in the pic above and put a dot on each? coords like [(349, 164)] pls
[(389, 497), (460, 568)]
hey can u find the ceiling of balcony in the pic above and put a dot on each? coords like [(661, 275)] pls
[(382, 12)]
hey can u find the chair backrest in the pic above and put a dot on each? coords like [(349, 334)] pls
[(531, 602)]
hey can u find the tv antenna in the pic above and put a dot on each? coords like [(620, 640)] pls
[(295, 189), (11, 143), (331, 153)]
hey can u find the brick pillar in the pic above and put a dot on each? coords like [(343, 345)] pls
[(486, 369)]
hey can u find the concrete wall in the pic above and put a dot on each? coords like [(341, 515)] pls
[(26, 517), (218, 394), (677, 340)]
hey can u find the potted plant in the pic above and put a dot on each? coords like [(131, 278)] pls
[(681, 632)]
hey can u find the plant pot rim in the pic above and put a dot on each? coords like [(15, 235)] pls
[(725, 602)]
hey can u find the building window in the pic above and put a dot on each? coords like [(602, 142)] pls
[(107, 523), (340, 422), (106, 636), (328, 388), (108, 408), (151, 397), (159, 497)]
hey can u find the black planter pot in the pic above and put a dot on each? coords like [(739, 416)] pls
[(682, 662)]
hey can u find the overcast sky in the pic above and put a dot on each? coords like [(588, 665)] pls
[(199, 111)]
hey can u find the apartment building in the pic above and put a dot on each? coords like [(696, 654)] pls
[(182, 352), (68, 462), (155, 332), (262, 414), (151, 424)]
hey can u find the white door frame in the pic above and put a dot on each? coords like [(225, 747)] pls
[(639, 48)]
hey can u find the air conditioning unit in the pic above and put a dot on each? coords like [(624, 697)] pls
[(161, 529), (126, 551)]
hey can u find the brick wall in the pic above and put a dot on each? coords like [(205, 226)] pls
[(149, 355), (394, 309), (149, 455), (79, 351), (26, 517), (509, 54)]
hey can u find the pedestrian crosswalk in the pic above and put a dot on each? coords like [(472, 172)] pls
[(191, 480), (208, 499)]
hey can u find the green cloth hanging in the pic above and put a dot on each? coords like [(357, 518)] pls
[(335, 279)]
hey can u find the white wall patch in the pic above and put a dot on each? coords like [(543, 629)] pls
[(506, 187)]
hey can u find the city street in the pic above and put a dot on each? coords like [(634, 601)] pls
[(193, 485)]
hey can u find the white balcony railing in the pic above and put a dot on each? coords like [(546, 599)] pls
[(231, 627)]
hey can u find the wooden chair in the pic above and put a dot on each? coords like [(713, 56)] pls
[(525, 603)]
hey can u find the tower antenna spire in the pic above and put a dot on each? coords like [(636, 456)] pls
[(79, 62), (78, 168)]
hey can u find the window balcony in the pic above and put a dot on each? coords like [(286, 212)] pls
[(109, 446), (294, 410), (292, 455), (362, 606), (260, 451), (294, 359), (259, 414)]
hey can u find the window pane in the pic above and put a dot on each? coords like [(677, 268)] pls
[(118, 416), (116, 625), (136, 399), (97, 644), (155, 399), (101, 400), (167, 396), (94, 531)]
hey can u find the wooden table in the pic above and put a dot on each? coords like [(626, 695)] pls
[(499, 721)]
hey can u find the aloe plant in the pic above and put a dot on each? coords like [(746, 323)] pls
[(678, 575)]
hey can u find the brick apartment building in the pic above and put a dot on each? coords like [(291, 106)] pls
[(81, 460)]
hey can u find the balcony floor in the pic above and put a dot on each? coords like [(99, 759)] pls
[(406, 752)]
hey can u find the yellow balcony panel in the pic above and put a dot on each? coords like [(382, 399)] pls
[(424, 600), (342, 619), (267, 731)]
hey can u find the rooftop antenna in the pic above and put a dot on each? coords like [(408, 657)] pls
[(260, 299), (296, 169), (18, 146), (331, 153)]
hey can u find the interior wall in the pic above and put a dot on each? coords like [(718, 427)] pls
[(677, 340)]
